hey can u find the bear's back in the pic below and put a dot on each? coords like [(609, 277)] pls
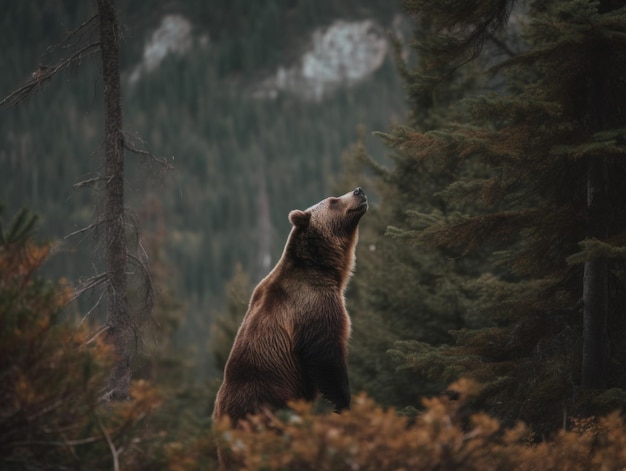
[(286, 319)]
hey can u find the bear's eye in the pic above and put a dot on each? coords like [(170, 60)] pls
[(333, 201)]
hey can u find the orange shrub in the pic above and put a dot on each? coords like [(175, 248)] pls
[(51, 413), (444, 436)]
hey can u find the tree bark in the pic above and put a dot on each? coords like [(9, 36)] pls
[(595, 284), (119, 332), (595, 277)]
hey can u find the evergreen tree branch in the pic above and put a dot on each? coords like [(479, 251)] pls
[(593, 249)]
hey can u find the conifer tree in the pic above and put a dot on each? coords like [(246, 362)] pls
[(402, 291), (52, 374), (123, 322), (538, 164)]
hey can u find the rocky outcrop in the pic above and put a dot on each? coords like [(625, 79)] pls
[(341, 54), (173, 36)]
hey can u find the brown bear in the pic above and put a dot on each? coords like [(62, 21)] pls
[(293, 340)]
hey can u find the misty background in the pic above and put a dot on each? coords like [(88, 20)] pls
[(253, 104)]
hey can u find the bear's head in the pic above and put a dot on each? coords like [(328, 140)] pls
[(324, 236)]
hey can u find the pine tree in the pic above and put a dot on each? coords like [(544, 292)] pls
[(538, 164), (122, 321), (51, 414), (403, 291)]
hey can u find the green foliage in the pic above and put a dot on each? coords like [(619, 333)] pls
[(183, 417), (197, 111), (593, 248), (399, 291), (434, 362), (510, 174), (53, 416), (19, 230), (226, 325)]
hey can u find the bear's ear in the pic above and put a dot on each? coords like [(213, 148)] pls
[(299, 218)]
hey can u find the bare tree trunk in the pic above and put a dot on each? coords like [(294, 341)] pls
[(119, 324), (595, 278), (595, 283)]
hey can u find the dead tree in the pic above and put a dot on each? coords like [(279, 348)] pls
[(122, 323), (120, 328)]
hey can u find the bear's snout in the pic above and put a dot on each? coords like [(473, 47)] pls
[(358, 191)]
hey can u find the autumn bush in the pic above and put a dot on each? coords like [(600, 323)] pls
[(52, 371), (445, 436)]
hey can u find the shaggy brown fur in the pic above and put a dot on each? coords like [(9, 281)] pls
[(292, 342)]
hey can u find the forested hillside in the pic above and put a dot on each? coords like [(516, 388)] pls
[(241, 159)]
